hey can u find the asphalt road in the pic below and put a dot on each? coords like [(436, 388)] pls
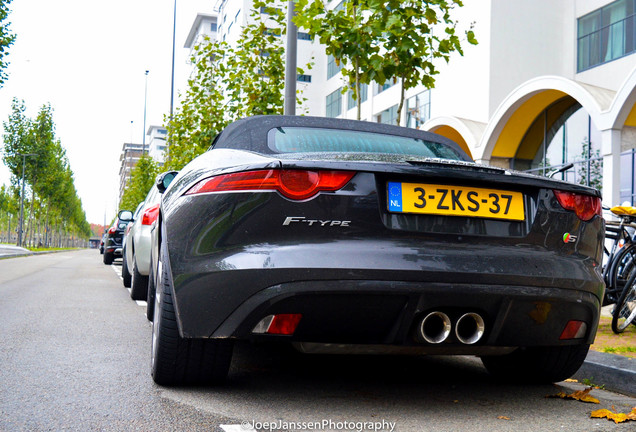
[(74, 355)]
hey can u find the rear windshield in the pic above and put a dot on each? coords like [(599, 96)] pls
[(309, 140)]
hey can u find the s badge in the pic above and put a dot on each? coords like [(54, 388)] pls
[(569, 238)]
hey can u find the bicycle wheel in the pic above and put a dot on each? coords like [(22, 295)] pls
[(622, 268), (625, 309)]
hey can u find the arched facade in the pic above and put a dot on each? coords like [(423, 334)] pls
[(522, 131), (464, 132)]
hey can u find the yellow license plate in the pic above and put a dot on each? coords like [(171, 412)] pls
[(455, 201)]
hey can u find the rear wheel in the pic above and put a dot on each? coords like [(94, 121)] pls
[(125, 273), (108, 258), (180, 361), (537, 364), (139, 284), (625, 310), (150, 298)]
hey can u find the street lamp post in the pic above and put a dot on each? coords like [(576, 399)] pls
[(24, 156), (174, 31), (143, 148), (291, 60)]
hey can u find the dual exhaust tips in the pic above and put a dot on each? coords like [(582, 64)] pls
[(436, 327)]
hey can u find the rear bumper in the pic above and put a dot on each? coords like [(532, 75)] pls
[(383, 312)]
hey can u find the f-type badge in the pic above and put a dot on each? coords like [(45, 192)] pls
[(569, 238), (315, 222)]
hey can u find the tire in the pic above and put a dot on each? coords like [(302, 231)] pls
[(625, 310), (108, 258), (622, 267), (125, 273), (150, 298), (537, 365), (139, 284), (178, 361)]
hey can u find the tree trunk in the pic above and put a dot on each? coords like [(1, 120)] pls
[(401, 105)]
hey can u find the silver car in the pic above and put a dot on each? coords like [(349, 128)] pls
[(136, 255)]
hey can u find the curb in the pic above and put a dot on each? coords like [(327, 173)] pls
[(26, 254), (616, 373)]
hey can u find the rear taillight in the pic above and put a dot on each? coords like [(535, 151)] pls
[(150, 215), (585, 206), (112, 230), (293, 184)]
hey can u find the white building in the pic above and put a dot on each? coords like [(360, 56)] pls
[(204, 25), (157, 143)]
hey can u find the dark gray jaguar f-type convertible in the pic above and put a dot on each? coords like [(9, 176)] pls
[(342, 236)]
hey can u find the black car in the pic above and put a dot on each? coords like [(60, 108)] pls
[(342, 236), (114, 236)]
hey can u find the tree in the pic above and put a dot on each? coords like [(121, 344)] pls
[(590, 170), (230, 83), (414, 40), (6, 39), (142, 178), (348, 35), (50, 193), (380, 40)]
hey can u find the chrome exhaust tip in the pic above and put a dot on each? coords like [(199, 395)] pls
[(470, 328), (435, 327)]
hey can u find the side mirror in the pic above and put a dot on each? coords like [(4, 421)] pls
[(125, 215), (164, 180)]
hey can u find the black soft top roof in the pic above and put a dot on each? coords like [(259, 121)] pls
[(251, 133)]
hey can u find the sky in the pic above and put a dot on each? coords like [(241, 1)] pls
[(87, 59)]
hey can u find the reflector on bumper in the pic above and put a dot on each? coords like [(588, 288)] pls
[(281, 324)]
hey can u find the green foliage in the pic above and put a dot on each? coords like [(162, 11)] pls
[(229, 84), (381, 40), (50, 194), (142, 178), (6, 39)]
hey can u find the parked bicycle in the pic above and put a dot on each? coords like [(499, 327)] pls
[(621, 258), (620, 269)]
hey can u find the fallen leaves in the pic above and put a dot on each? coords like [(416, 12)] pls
[(580, 395), (616, 417)]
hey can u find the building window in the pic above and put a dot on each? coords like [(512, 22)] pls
[(304, 78), (237, 15), (351, 102), (334, 104), (304, 36), (418, 109), (628, 182), (388, 116), (272, 32), (213, 27), (387, 85), (332, 67), (606, 34)]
